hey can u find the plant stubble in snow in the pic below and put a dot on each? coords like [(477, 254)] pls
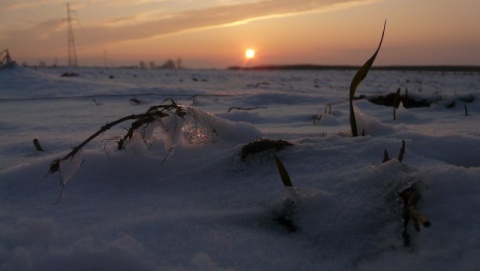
[(204, 208)]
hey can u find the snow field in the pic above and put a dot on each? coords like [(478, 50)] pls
[(199, 207)]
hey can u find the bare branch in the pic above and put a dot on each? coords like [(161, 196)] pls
[(152, 114)]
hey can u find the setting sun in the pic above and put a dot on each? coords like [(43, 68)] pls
[(249, 53)]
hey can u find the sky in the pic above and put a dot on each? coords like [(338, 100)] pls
[(216, 33)]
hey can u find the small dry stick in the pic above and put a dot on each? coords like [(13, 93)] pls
[(37, 145)]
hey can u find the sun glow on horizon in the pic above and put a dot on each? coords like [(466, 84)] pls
[(250, 53)]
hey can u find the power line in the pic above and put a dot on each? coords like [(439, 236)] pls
[(72, 53)]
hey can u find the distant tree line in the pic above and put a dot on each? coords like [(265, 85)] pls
[(169, 64)]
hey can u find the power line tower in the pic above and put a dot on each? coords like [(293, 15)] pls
[(72, 54)]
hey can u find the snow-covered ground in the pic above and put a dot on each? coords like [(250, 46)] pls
[(199, 206)]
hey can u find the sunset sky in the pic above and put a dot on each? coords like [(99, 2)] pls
[(216, 33)]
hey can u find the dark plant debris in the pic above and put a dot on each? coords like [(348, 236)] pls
[(410, 197), (69, 74), (263, 144), (245, 108), (135, 101), (37, 145), (394, 99)]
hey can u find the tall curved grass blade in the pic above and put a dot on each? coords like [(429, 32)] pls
[(358, 78), (283, 172)]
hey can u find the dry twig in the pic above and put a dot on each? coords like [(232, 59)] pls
[(153, 113)]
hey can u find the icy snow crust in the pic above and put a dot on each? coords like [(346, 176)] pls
[(197, 206)]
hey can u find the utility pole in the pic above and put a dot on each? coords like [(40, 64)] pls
[(72, 54)]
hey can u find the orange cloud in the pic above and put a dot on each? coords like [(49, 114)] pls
[(152, 24)]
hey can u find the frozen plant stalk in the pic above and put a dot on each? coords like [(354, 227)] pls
[(357, 79)]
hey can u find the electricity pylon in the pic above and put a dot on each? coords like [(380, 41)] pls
[(72, 54)]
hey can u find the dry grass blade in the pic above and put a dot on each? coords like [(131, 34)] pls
[(385, 156), (283, 172), (402, 151), (358, 78)]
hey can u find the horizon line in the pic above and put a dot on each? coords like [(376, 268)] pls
[(473, 68), (426, 67)]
